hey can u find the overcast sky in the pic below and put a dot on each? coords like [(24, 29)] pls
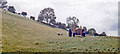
[(99, 14)]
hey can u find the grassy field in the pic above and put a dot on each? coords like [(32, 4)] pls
[(20, 34)]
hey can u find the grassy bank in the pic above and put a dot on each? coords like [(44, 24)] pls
[(24, 35)]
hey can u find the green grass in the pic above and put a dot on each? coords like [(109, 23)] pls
[(21, 34)]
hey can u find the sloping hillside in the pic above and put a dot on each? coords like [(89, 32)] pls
[(24, 35), (19, 29)]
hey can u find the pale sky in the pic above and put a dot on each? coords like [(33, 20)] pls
[(99, 14)]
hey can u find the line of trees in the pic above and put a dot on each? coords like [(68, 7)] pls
[(47, 16)]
